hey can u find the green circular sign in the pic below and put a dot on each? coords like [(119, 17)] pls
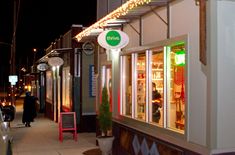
[(113, 38)]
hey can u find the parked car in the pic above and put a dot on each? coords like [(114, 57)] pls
[(5, 137), (8, 111)]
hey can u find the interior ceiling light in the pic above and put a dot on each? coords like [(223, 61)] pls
[(120, 11)]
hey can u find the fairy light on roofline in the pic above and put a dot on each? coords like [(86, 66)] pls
[(120, 11)]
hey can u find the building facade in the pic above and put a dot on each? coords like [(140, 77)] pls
[(166, 50), (66, 87)]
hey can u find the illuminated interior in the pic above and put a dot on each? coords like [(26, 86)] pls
[(153, 86)]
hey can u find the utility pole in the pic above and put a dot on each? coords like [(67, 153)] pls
[(13, 50), (13, 46)]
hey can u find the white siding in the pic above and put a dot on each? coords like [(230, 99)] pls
[(153, 28), (185, 20), (226, 74), (133, 34)]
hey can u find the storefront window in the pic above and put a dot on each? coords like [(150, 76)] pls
[(49, 86), (157, 72), (66, 87), (141, 86), (176, 82), (127, 85), (153, 86)]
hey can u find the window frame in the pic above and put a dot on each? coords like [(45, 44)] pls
[(148, 53)]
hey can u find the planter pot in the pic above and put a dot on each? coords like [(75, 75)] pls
[(105, 144)]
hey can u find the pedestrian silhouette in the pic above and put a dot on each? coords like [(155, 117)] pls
[(29, 109)]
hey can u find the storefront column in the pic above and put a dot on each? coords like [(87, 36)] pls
[(116, 81), (42, 92)]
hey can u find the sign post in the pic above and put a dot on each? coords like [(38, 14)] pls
[(13, 79)]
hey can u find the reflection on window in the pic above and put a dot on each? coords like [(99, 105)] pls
[(153, 86), (127, 85)]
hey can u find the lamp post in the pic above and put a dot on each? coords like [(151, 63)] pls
[(34, 60), (55, 62), (34, 55), (34, 82)]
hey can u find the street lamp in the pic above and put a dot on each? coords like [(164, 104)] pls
[(34, 55), (55, 62)]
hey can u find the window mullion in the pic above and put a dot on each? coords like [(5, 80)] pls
[(148, 85), (134, 86)]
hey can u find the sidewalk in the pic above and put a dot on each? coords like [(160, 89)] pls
[(42, 137)]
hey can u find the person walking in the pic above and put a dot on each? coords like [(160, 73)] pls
[(29, 109)]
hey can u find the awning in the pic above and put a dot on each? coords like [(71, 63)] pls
[(141, 10), (132, 9)]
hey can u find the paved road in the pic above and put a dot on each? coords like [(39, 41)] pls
[(42, 137)]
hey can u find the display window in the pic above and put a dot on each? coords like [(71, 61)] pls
[(127, 85), (141, 87), (176, 86), (153, 86), (66, 89), (157, 85), (49, 86)]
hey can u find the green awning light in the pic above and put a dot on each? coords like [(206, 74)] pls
[(180, 58)]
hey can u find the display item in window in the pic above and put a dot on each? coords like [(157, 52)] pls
[(157, 103)]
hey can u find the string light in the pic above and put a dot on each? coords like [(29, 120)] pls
[(120, 11)]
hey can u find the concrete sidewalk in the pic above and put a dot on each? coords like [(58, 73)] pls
[(42, 137)]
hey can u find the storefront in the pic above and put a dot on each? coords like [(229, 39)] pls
[(153, 85), (70, 84), (150, 80), (155, 78), (167, 97)]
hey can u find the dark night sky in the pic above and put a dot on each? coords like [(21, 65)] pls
[(40, 22)]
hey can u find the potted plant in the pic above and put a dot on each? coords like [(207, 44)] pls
[(105, 141)]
